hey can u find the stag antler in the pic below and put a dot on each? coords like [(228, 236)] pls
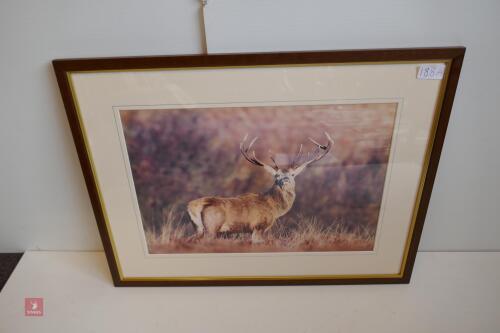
[(319, 153), (253, 159)]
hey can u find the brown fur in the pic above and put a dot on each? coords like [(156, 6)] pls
[(249, 212)]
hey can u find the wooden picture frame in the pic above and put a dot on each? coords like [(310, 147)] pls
[(78, 80)]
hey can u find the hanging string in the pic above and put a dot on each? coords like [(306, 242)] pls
[(204, 41)]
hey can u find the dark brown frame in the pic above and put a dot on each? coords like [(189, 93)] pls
[(454, 55)]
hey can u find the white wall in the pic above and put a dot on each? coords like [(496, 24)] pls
[(43, 201)]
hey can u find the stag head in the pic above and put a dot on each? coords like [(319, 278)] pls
[(285, 177)]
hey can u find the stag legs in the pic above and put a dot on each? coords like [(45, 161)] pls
[(257, 236), (194, 211), (260, 235)]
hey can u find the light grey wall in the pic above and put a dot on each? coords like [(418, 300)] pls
[(43, 201)]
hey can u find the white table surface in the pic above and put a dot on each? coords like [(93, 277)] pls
[(449, 292)]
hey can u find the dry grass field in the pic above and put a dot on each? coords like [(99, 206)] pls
[(307, 234)]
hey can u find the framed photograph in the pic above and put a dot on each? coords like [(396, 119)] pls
[(261, 169)]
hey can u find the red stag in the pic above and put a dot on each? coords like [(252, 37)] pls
[(255, 212)]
